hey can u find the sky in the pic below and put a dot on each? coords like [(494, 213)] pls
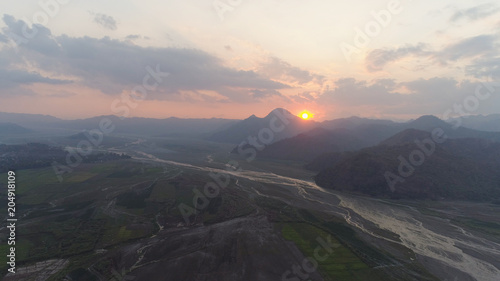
[(234, 58)]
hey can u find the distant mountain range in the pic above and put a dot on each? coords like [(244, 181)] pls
[(480, 122), (129, 126), (367, 131), (360, 133), (350, 154)]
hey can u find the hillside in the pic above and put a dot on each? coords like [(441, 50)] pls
[(463, 169), (12, 129), (309, 145), (354, 122)]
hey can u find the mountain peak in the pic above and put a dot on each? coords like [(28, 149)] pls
[(426, 122), (279, 110), (427, 118)]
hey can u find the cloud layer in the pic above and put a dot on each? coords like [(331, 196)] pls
[(477, 54), (113, 66)]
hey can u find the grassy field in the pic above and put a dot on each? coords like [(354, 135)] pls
[(77, 222), (341, 264)]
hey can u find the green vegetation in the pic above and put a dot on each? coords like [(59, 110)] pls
[(341, 264), (163, 191), (352, 260), (78, 222)]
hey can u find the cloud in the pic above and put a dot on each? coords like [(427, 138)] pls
[(304, 97), (16, 77), (485, 68), (283, 71), (417, 97), (464, 49), (4, 39), (61, 94), (35, 37), (133, 36), (377, 59), (105, 21), (351, 92), (481, 52), (113, 66), (467, 48), (263, 94), (13, 82), (475, 13)]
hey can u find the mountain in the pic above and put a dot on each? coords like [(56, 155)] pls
[(406, 136), (14, 129), (366, 133), (462, 169), (130, 126), (489, 123), (313, 143), (28, 120), (429, 123), (353, 122), (306, 140), (277, 125), (154, 127)]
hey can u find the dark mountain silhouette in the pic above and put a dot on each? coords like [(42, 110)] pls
[(327, 160), (353, 122), (463, 169), (250, 127), (406, 136), (429, 123), (309, 145), (130, 126), (154, 127), (28, 120), (13, 129)]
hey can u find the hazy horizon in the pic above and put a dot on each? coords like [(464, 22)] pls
[(259, 116)]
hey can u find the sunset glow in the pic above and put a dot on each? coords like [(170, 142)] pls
[(219, 62), (305, 115)]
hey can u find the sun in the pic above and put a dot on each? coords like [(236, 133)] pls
[(305, 115)]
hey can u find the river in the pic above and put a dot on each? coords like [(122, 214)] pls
[(428, 236)]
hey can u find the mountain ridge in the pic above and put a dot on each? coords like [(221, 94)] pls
[(459, 169)]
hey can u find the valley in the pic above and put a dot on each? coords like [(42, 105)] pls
[(122, 218)]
